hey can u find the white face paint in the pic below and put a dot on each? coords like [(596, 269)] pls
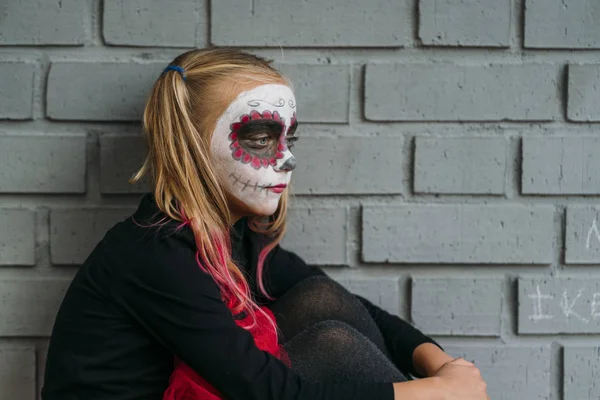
[(251, 148)]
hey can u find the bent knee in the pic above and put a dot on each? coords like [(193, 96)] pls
[(336, 336), (321, 290)]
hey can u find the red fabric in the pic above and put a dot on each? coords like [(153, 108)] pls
[(186, 384)]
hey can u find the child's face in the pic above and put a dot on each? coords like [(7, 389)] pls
[(251, 149)]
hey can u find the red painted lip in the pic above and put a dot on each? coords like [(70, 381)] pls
[(277, 188)]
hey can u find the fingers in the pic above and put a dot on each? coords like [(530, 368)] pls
[(476, 379), (462, 361)]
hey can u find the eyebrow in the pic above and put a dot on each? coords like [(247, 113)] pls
[(261, 126)]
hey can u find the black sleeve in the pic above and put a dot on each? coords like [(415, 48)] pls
[(285, 269), (180, 305), (401, 338)]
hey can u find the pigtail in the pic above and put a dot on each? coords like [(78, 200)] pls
[(178, 122)]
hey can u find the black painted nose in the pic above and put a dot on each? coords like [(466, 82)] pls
[(289, 165)]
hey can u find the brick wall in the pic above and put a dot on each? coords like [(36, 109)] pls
[(448, 168)]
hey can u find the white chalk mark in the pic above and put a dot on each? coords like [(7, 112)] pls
[(537, 305), (593, 229), (568, 308), (596, 305)]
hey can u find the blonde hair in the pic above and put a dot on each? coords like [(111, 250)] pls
[(179, 118)]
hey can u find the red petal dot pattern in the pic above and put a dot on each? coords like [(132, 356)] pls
[(241, 154)]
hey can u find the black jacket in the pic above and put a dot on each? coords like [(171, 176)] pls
[(140, 298)]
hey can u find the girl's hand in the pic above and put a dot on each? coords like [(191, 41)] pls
[(455, 380), (461, 380)]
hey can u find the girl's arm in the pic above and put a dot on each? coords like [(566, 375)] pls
[(411, 350), (428, 358)]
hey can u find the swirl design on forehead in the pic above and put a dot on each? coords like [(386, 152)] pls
[(256, 102), (246, 155)]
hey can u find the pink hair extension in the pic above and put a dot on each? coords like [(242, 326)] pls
[(262, 256), (236, 294)]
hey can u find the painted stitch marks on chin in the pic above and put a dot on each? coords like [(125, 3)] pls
[(248, 183), (246, 155)]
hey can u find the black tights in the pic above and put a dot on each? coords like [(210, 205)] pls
[(330, 336)]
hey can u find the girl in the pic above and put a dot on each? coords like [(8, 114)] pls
[(193, 298)]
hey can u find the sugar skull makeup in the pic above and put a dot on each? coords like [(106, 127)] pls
[(251, 148)]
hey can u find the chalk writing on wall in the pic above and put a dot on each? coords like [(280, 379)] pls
[(593, 231), (567, 305)]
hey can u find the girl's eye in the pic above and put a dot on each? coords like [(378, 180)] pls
[(262, 141), (290, 141)]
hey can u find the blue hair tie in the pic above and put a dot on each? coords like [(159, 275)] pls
[(175, 68)]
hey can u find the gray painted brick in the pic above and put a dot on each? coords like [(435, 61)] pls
[(100, 91), (17, 373), (28, 307), (458, 234), (346, 166), (582, 235), (582, 373), (17, 237), (152, 22), (75, 233), (322, 91), (562, 24), (511, 372), (16, 93), (449, 306), (309, 23), (318, 235), (559, 305), (565, 165), (43, 164), (382, 292), (584, 93), (120, 157), (448, 92), (460, 165), (42, 22), (465, 23)]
